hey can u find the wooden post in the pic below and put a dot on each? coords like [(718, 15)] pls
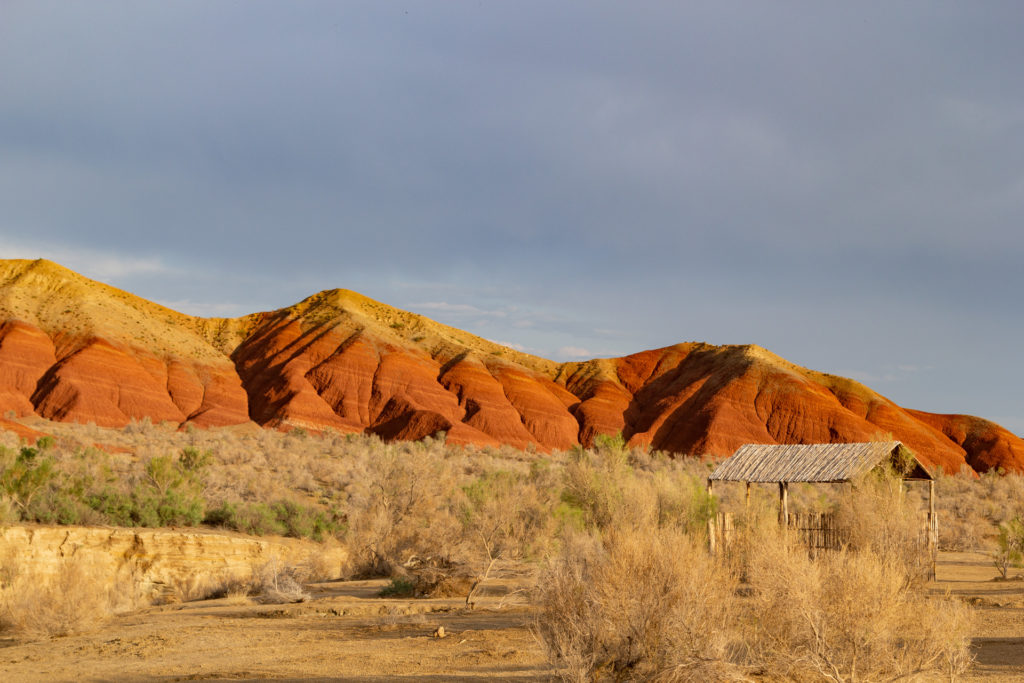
[(711, 520), (783, 504), (931, 500), (746, 502), (932, 527)]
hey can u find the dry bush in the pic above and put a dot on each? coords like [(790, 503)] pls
[(280, 584), (644, 600), (401, 507), (320, 566), (188, 587), (238, 596), (603, 490), (882, 517), (847, 616), (74, 600), (972, 508), (636, 605), (1009, 550), (273, 582), (503, 515)]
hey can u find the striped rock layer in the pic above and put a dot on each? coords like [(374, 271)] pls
[(72, 349)]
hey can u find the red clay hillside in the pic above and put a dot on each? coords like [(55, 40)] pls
[(72, 349)]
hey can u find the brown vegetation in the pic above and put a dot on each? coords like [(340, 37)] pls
[(77, 598), (624, 589), (640, 598)]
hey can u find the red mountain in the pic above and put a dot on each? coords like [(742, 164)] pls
[(73, 349)]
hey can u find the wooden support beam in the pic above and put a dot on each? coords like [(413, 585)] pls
[(783, 504), (712, 534), (933, 527)]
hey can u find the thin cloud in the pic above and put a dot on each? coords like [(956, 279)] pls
[(206, 309), (100, 265), (517, 347), (573, 353), (460, 309), (889, 374), (714, 180)]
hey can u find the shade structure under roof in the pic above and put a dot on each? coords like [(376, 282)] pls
[(816, 463)]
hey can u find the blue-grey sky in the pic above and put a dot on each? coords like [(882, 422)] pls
[(842, 183)]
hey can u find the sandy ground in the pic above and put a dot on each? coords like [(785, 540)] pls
[(998, 636), (347, 633)]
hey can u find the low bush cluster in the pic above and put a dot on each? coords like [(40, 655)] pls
[(638, 597), (76, 598), (626, 588)]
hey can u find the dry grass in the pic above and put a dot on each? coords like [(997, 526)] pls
[(847, 616), (628, 591), (76, 599), (280, 584), (645, 600), (238, 597), (636, 605)]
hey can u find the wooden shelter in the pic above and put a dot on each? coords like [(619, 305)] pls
[(830, 463)]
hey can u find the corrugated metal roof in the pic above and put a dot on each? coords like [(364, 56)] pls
[(826, 462)]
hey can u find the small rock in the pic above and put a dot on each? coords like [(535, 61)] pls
[(439, 633)]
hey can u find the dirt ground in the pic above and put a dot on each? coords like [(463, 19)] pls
[(998, 636), (347, 633)]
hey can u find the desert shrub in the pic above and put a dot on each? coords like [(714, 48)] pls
[(601, 490), (879, 516), (169, 494), (190, 586), (24, 476), (399, 587), (846, 616), (116, 506), (74, 600), (503, 516), (322, 565), (632, 602), (192, 459), (1009, 550), (636, 604), (283, 518), (8, 511), (594, 486), (971, 507), (402, 507), (301, 521), (278, 584), (272, 583), (59, 506), (255, 519)]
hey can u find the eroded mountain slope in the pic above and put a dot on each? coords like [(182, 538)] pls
[(74, 349)]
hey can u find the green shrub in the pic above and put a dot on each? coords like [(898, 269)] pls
[(26, 478), (283, 518), (117, 507), (399, 587), (192, 459), (1009, 546)]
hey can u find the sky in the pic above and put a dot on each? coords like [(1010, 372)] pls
[(841, 183)]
